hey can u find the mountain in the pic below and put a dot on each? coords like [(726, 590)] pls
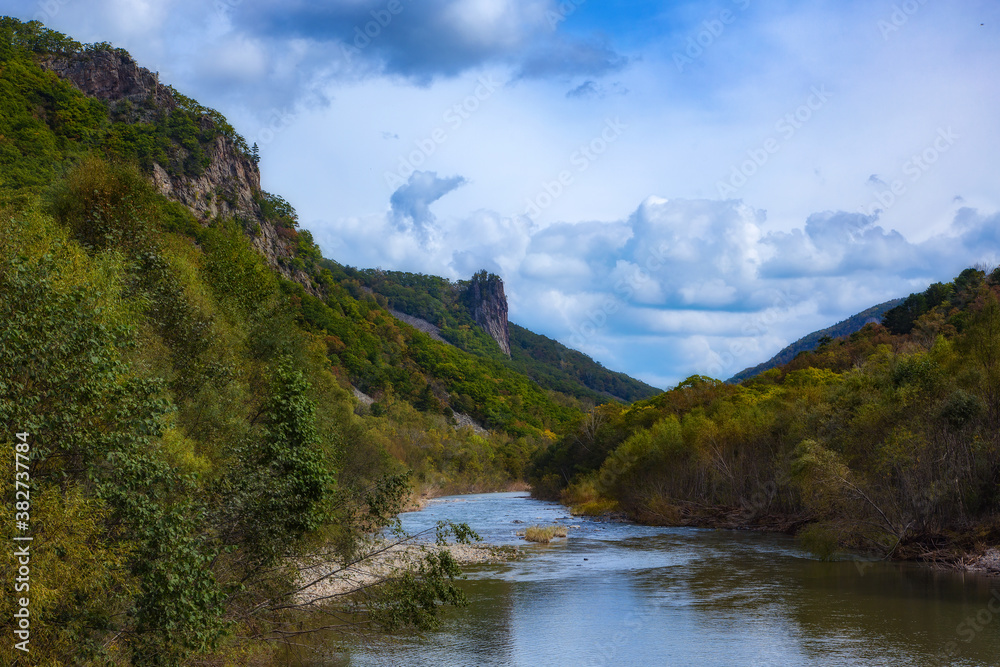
[(455, 312), (195, 158), (487, 302), (816, 338)]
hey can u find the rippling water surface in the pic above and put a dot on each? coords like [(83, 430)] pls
[(619, 594)]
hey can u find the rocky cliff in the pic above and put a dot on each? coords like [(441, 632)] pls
[(229, 184), (488, 305)]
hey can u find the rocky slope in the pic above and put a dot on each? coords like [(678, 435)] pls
[(488, 305), (113, 77), (228, 187)]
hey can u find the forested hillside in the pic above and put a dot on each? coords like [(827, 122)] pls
[(177, 372), (552, 365), (815, 339), (886, 440)]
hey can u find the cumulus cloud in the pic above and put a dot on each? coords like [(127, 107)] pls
[(838, 243), (411, 202), (680, 286)]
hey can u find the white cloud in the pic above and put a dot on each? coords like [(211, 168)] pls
[(655, 286), (680, 286)]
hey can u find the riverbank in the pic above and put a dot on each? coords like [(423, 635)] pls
[(973, 550), (323, 580), (605, 595), (418, 499)]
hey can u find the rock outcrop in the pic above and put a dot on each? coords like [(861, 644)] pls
[(112, 76), (228, 187), (488, 305)]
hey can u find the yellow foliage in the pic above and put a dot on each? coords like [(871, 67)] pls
[(31, 236), (812, 377), (77, 572), (819, 475), (180, 452)]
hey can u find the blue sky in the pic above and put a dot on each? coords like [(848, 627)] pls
[(671, 187)]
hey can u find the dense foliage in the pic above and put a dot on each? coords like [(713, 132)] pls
[(368, 348), (45, 122), (876, 441), (187, 437), (553, 366), (192, 434)]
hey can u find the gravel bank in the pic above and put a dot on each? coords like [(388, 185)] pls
[(988, 562), (328, 580)]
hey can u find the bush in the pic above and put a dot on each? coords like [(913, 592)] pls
[(544, 534)]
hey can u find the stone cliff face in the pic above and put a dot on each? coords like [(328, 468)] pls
[(488, 305), (229, 187), (112, 76)]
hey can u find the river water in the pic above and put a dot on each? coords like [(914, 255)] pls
[(621, 594)]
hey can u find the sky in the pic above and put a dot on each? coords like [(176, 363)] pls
[(670, 187)]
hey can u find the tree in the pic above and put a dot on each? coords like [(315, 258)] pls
[(282, 482), (983, 341)]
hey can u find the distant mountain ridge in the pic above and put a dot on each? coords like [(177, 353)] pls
[(812, 341)]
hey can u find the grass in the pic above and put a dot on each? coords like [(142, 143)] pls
[(543, 534)]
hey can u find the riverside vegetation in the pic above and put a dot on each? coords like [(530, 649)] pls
[(544, 534), (885, 441)]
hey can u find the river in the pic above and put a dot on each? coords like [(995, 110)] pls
[(621, 594)]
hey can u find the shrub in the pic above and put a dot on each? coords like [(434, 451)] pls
[(544, 534)]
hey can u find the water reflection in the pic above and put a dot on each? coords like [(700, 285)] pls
[(616, 594)]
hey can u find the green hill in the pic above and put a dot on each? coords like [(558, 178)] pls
[(816, 338), (553, 366), (178, 363)]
